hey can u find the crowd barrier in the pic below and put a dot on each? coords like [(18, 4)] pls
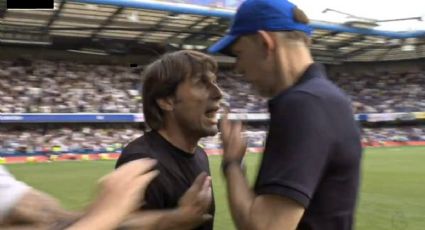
[(138, 117), (114, 156), (61, 157), (393, 143)]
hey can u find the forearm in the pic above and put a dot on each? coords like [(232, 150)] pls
[(24, 227), (240, 196), (38, 208), (173, 219), (58, 222), (96, 220)]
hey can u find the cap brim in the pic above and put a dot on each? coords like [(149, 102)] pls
[(223, 45)]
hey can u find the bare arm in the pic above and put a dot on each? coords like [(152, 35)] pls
[(36, 208), (253, 212), (249, 211), (162, 220), (239, 195), (120, 194), (277, 212), (176, 219), (191, 212)]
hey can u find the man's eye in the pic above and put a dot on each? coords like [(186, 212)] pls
[(200, 81), (205, 80)]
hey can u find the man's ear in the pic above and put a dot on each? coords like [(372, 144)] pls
[(267, 40), (166, 103)]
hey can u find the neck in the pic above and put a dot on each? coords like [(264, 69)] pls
[(292, 62), (179, 139)]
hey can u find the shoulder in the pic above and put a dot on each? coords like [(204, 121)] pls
[(323, 89), (136, 146), (315, 96), (202, 156), (200, 152), (297, 113), (295, 102), (136, 149)]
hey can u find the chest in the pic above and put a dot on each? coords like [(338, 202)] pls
[(177, 175)]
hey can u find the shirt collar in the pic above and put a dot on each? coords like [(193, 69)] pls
[(170, 146)]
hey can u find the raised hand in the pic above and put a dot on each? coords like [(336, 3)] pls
[(234, 144)]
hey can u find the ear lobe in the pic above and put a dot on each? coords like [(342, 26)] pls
[(165, 104), (267, 40)]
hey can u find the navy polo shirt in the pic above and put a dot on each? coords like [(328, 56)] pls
[(313, 152)]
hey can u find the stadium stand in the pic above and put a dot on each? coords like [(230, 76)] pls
[(74, 88), (109, 35), (399, 134), (43, 86), (385, 92), (36, 139), (84, 139), (60, 87)]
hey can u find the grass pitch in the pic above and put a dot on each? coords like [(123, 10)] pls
[(392, 192)]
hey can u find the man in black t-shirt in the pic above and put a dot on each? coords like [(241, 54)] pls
[(180, 102), (309, 174)]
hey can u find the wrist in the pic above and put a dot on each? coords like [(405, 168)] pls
[(100, 220), (180, 218), (226, 164), (106, 215)]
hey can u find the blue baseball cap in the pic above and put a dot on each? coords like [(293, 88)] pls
[(255, 15)]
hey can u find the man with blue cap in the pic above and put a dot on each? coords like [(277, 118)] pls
[(309, 173)]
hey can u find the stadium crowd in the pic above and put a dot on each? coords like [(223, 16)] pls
[(65, 87), (399, 134), (89, 139), (83, 139), (384, 92)]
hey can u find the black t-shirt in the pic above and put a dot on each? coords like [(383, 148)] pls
[(178, 170), (313, 152)]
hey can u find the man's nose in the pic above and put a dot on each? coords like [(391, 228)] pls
[(216, 92)]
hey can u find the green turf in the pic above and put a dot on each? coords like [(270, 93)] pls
[(392, 193)]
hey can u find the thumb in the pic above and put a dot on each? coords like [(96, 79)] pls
[(144, 180), (199, 182)]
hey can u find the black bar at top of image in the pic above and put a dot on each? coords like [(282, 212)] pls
[(2, 5), (30, 4)]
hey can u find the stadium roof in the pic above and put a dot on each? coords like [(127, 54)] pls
[(143, 26)]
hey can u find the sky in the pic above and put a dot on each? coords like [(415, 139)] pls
[(374, 9)]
